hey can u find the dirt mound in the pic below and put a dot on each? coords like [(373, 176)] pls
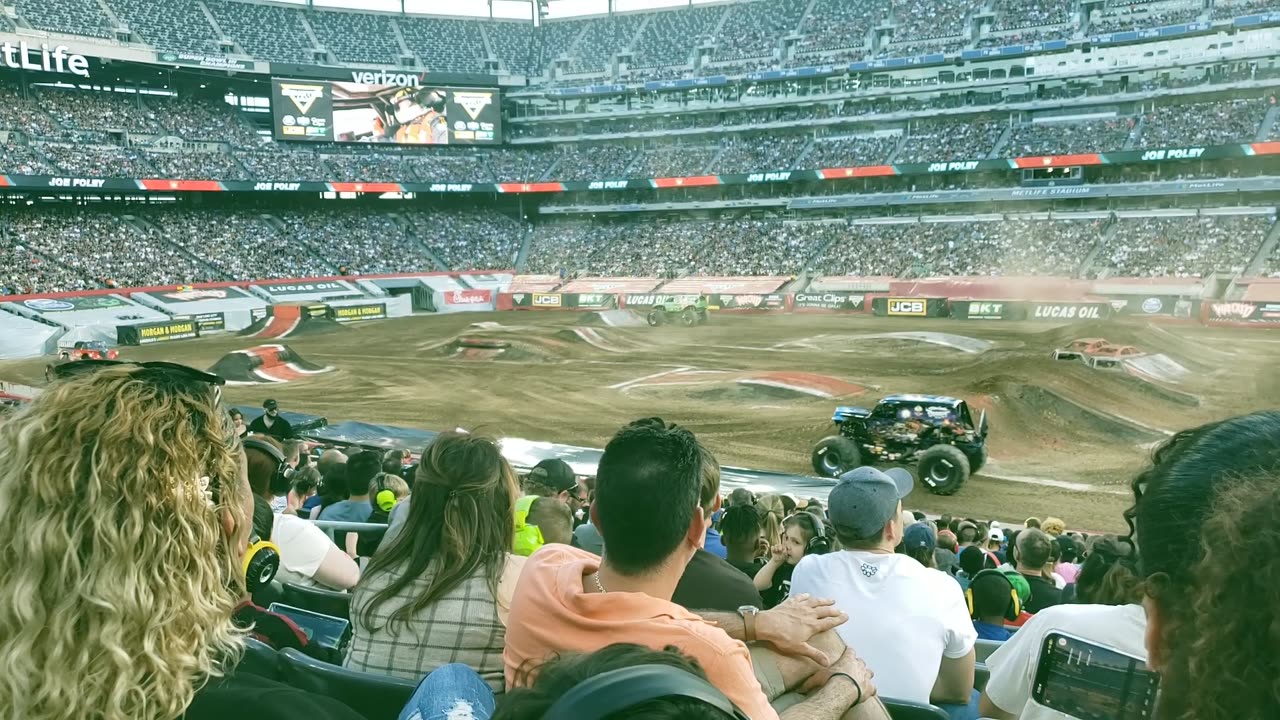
[(265, 364), (507, 348), (965, 344), (613, 318), (600, 339), (1029, 413), (735, 386)]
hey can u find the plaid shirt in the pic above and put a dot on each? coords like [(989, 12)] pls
[(460, 627)]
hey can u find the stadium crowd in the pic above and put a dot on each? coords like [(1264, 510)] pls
[(45, 250), (640, 590)]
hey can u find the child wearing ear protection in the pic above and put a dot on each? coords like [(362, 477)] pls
[(993, 601), (802, 534), (385, 492)]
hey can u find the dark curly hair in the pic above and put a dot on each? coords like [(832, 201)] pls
[(1110, 575), (1210, 540), (561, 674)]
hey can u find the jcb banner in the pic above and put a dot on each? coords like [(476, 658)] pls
[(909, 306), (358, 313), (147, 333)]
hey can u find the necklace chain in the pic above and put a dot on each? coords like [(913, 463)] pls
[(599, 585)]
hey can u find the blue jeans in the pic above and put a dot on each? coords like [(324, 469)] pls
[(958, 712), (450, 692)]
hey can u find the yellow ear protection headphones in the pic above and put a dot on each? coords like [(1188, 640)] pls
[(261, 563), (819, 543), (382, 497), (282, 479), (528, 537), (1012, 611)]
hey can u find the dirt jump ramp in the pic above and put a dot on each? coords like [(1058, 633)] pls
[(287, 320), (265, 364)]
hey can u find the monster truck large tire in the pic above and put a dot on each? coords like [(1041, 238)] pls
[(835, 455), (48, 373), (656, 317), (703, 317), (977, 459), (943, 469), (689, 317)]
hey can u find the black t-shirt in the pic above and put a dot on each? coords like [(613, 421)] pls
[(751, 568), (781, 588), (245, 696), (1044, 593), (280, 428), (710, 583)]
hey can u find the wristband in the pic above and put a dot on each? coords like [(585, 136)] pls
[(855, 684)]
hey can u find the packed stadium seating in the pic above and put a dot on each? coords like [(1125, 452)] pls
[(1182, 246)]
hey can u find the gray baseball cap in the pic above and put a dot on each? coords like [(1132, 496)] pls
[(866, 498)]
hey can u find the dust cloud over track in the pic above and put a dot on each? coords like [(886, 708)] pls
[(535, 376)]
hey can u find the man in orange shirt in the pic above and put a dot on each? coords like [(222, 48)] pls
[(647, 510)]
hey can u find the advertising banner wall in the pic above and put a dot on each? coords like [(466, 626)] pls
[(1251, 313), (988, 310), (832, 301), (773, 302), (292, 287), (563, 301), (358, 313), (154, 332), (465, 300), (210, 322), (69, 304), (1165, 305), (908, 307), (1068, 312), (178, 296)]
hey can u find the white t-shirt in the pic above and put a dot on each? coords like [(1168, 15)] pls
[(1013, 665), (303, 547), (903, 617)]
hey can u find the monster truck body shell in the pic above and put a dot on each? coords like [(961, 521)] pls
[(683, 309), (1097, 352), (903, 429), (90, 350)]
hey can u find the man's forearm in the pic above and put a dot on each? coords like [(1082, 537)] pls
[(731, 623), (834, 701)]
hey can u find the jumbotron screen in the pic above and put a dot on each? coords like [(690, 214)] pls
[(324, 111)]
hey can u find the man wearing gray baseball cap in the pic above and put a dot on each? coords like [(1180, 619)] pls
[(910, 623)]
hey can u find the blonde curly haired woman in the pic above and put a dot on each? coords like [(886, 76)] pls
[(127, 514)]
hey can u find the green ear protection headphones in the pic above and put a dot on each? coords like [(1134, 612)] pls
[(1014, 609)]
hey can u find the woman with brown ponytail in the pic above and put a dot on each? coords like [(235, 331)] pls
[(439, 591)]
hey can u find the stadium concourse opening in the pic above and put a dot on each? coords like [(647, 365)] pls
[(266, 364)]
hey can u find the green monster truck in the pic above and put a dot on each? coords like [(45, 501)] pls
[(687, 310)]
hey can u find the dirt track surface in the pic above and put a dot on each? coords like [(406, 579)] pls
[(1065, 439)]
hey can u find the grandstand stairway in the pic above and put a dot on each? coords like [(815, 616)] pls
[(1268, 121), (412, 236), (282, 230), (804, 153), (1001, 142), (404, 46), (1136, 134), (142, 227), (110, 14), (310, 31), (1269, 242), (1086, 265), (217, 29)]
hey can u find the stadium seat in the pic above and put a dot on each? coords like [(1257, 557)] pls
[(374, 696), (325, 602), (908, 710), (259, 659), (984, 648), (981, 674)]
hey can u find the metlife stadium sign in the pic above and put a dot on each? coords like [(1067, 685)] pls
[(59, 59)]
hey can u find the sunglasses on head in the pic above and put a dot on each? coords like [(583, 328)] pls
[(78, 368)]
